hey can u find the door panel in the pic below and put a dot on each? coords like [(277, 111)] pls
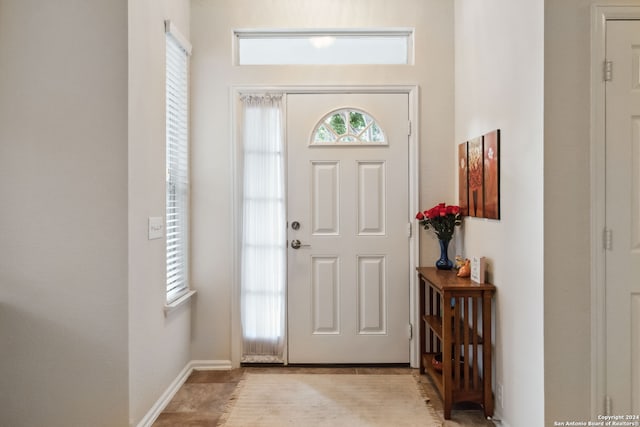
[(326, 289), (623, 217), (325, 197), (372, 290), (348, 282), (371, 198)]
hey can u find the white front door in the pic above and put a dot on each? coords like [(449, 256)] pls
[(348, 281), (623, 217)]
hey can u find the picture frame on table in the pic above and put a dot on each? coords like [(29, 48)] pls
[(478, 267)]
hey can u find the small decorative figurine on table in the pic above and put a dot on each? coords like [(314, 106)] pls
[(465, 270)]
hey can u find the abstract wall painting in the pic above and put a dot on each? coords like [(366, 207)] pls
[(463, 180), (492, 174), (479, 176), (476, 178)]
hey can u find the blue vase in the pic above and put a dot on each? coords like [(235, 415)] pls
[(444, 263)]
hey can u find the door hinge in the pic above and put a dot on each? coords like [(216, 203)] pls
[(607, 405), (607, 239), (409, 229), (410, 331), (607, 71), (409, 128)]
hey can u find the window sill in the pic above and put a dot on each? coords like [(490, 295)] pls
[(173, 305)]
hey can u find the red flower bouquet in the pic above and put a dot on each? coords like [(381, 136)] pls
[(442, 219)]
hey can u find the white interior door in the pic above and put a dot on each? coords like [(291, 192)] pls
[(623, 217), (348, 282)]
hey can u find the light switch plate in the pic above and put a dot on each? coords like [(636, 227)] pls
[(156, 227)]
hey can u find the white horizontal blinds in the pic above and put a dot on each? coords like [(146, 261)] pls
[(177, 162)]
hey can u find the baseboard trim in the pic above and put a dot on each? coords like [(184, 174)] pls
[(210, 365), (175, 385)]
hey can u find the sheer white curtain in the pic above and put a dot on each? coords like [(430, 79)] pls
[(263, 230)]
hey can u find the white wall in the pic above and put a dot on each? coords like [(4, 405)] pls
[(158, 344), (63, 221), (499, 85), (567, 189), (66, 356), (214, 75)]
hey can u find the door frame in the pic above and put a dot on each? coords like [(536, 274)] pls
[(236, 213), (600, 14)]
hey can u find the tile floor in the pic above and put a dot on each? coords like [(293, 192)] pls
[(201, 400)]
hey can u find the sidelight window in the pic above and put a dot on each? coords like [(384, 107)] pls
[(263, 274)]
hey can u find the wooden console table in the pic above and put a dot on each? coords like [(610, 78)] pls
[(457, 323)]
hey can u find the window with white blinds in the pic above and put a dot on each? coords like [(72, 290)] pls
[(178, 50)]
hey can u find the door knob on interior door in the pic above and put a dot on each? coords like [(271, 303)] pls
[(295, 244)]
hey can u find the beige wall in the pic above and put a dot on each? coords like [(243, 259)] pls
[(214, 75), (84, 337), (158, 344), (63, 221), (81, 293), (499, 85), (566, 189)]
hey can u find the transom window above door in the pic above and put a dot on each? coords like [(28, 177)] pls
[(348, 126), (352, 46)]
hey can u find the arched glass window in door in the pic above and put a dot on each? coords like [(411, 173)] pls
[(348, 126)]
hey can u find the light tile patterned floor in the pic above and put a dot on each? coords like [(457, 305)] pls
[(201, 400)]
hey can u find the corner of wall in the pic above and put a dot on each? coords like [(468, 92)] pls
[(159, 345), (164, 399)]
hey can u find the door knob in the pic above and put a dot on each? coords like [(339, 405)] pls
[(295, 244)]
